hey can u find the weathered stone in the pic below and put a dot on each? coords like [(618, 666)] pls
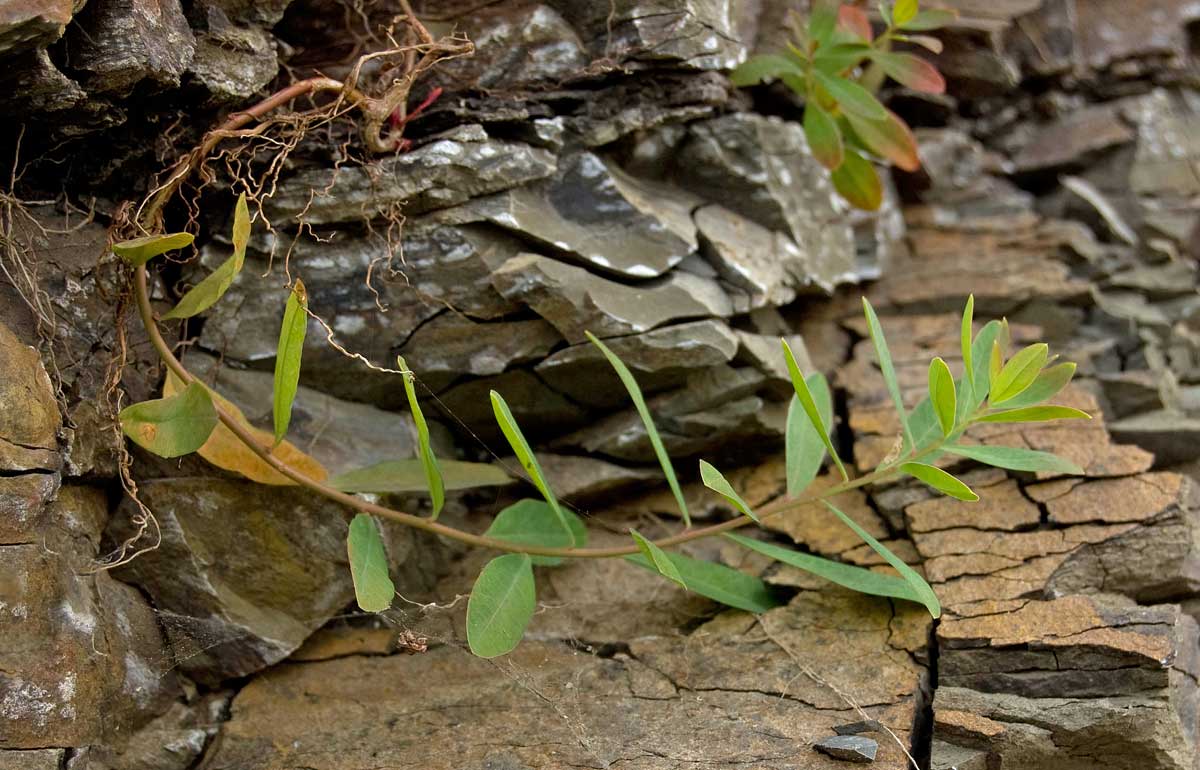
[(1110, 31), (1073, 139), (1130, 392), (762, 169), (25, 25), (600, 215), (658, 100), (448, 346), (33, 759), (23, 500), (850, 748), (815, 528), (172, 741), (29, 416), (1001, 507), (763, 352), (119, 43), (748, 256), (31, 83), (575, 301), (1109, 501), (578, 478), (538, 408), (1173, 438), (446, 172), (233, 62)]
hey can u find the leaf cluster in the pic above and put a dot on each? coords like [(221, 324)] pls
[(835, 62)]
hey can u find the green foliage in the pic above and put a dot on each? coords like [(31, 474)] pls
[(835, 64), (805, 448), (533, 522), (205, 294), (373, 586), (526, 457), (400, 476), (810, 406), (718, 582), (1016, 458), (658, 558), (939, 480), (942, 395), (502, 602), (1036, 414), (287, 358), (713, 479), (172, 426), (1019, 373), (429, 461), (139, 251), (887, 368)]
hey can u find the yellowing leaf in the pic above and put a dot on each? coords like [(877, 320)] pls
[(139, 251), (225, 450)]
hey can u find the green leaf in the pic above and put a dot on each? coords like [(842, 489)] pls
[(1036, 414), (884, 356), (940, 480), (942, 395), (857, 181), (915, 581), (995, 364), (1045, 386), (718, 582), (287, 358), (139, 251), (821, 20), (172, 426), (890, 138), (713, 479), (1019, 373), (836, 59), (204, 294), (525, 455), (980, 357), (658, 557), (400, 476), (1017, 459), (855, 578), (373, 586), (968, 318), (903, 12), (823, 136), (852, 97), (910, 70), (429, 461), (533, 522), (805, 448), (933, 18), (501, 604), (635, 394), (759, 68), (810, 406)]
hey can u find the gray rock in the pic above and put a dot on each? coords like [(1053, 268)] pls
[(172, 741), (30, 83), (539, 409), (850, 748), (1112, 31), (443, 173), (264, 12), (119, 43), (30, 25), (1074, 139), (449, 346), (600, 215), (575, 301), (233, 62), (748, 256), (1172, 437), (1131, 392), (762, 169)]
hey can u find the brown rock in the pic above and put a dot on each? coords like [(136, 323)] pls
[(120, 43), (30, 420)]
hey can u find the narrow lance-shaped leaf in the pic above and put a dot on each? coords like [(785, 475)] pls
[(851, 96), (713, 479), (810, 406), (1017, 459), (718, 582), (980, 350), (804, 449), (501, 605), (172, 426), (857, 181), (204, 294), (287, 358), (941, 393), (399, 476), (995, 364), (639, 402), (940, 480), (847, 575), (823, 136), (822, 20), (1019, 373), (1036, 414), (968, 319), (373, 586), (533, 522), (429, 461), (1045, 386), (910, 576), (884, 356), (889, 138), (525, 455), (139, 251), (910, 70), (658, 558)]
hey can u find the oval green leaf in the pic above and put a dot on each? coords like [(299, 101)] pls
[(1049, 382), (533, 522), (713, 479), (139, 251), (287, 358), (501, 604), (857, 181), (836, 59), (1017, 459), (823, 136), (910, 70), (942, 395), (810, 406), (718, 582), (516, 439), (1036, 414), (890, 138), (933, 18), (658, 558), (804, 449), (940, 480), (429, 461), (925, 594), (852, 97), (1019, 373), (635, 394), (172, 426), (206, 293), (903, 12), (373, 586), (400, 476)]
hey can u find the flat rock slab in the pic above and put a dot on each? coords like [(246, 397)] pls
[(851, 748)]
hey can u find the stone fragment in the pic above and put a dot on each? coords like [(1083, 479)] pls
[(30, 83), (1127, 393), (762, 169), (233, 62), (119, 43), (448, 347), (1000, 507), (25, 25), (1173, 438), (33, 759), (850, 748), (445, 172), (1112, 31), (173, 740), (596, 213), (575, 301), (1074, 139), (748, 256), (1109, 501), (516, 45), (814, 527), (29, 416)]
